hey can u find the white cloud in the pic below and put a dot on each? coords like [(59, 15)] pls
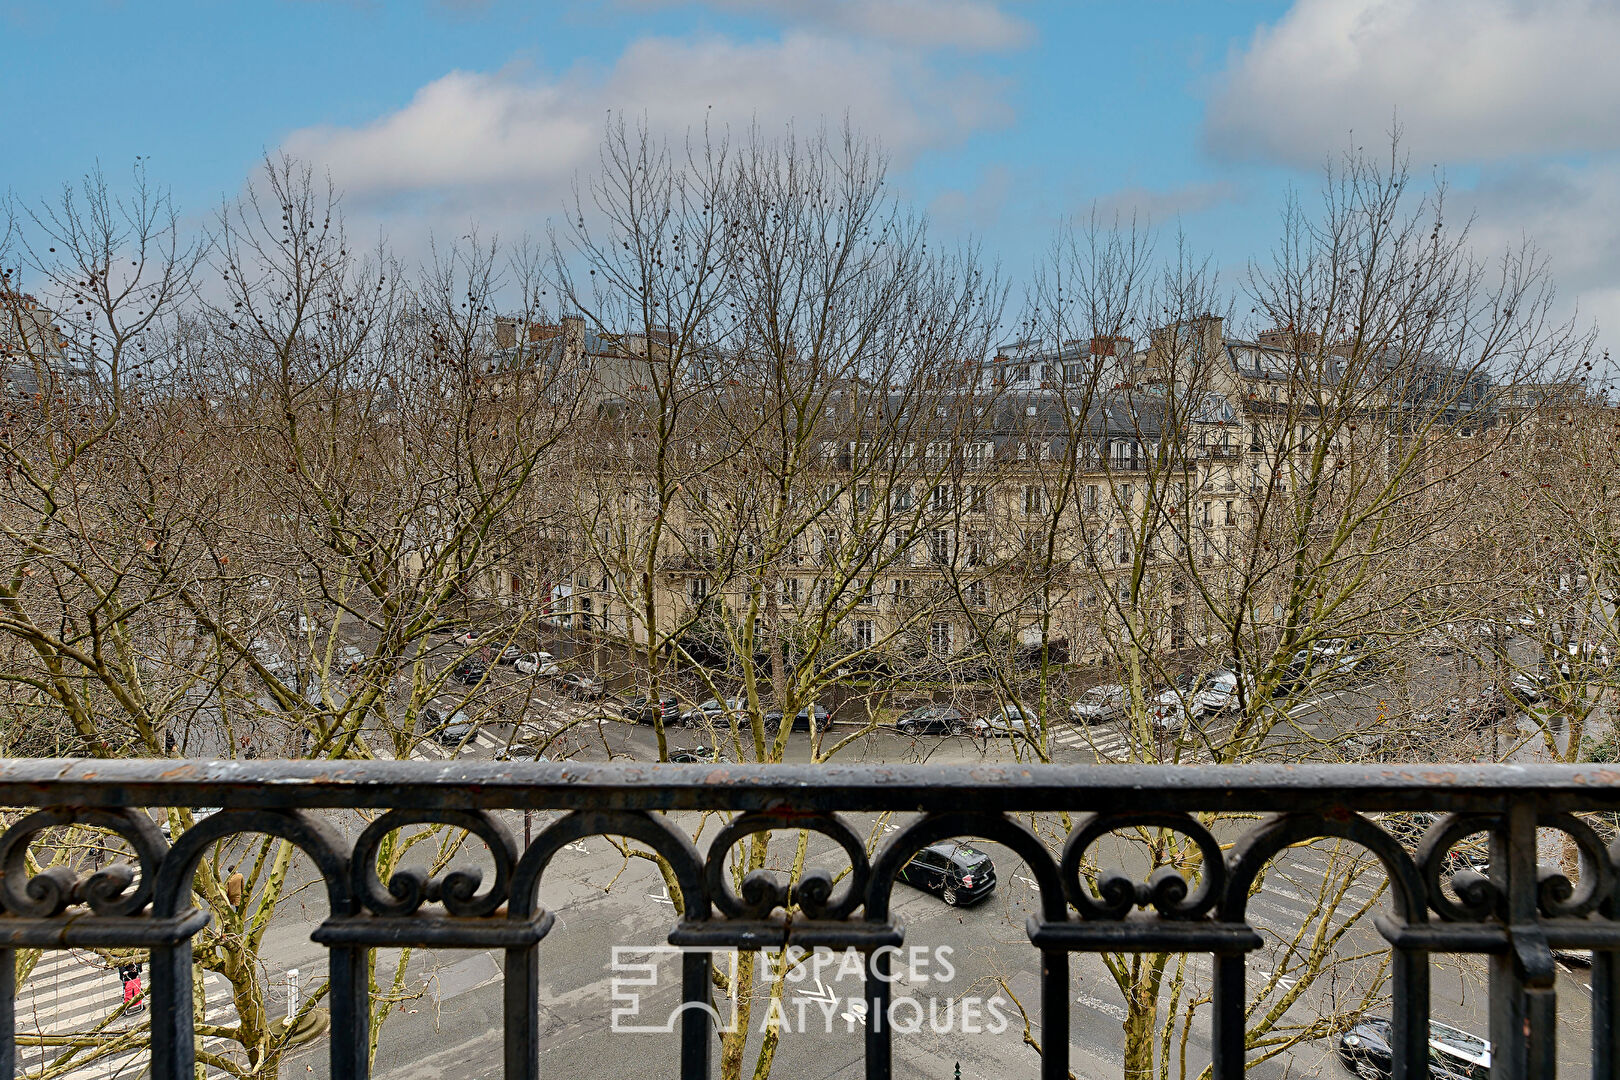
[(470, 142), (1572, 215), (973, 25), (1471, 80)]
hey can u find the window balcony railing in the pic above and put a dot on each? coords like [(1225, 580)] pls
[(1516, 915)]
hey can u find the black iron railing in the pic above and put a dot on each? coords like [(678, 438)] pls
[(1517, 914)]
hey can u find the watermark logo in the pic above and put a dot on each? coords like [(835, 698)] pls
[(821, 990), (638, 971)]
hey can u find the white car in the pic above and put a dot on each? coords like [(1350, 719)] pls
[(1098, 704), (1341, 656), (1195, 697), (1009, 720), (349, 659), (537, 663)]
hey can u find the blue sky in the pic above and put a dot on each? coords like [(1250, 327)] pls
[(1002, 117)]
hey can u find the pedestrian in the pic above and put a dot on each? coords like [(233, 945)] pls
[(130, 974), (233, 888)]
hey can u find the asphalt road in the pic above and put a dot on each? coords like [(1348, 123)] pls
[(604, 901)]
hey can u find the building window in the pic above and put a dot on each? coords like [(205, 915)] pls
[(902, 497), (978, 500), (940, 498), (864, 635), (939, 639), (902, 550), (1034, 499), (1091, 496), (790, 590), (978, 547), (829, 545), (902, 590), (865, 599), (1127, 497), (974, 593), (939, 546), (697, 590), (1230, 519), (863, 497), (1206, 519)]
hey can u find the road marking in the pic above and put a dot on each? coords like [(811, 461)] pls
[(1027, 881), (1107, 1008), (579, 846), (661, 898), (821, 993)]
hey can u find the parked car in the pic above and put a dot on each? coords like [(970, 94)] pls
[(197, 814), (1100, 703), (953, 871), (801, 719), (1453, 1054), (447, 725), (714, 711), (508, 655), (580, 686), (932, 720), (642, 709), (1342, 655), (470, 671), (1529, 687), (1193, 697), (349, 660), (537, 663), (1013, 718), (695, 755), (469, 637)]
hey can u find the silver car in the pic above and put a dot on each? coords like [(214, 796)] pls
[(1099, 704)]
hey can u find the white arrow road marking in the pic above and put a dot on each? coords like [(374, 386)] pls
[(821, 993), (579, 846), (661, 898), (1285, 983), (1027, 881)]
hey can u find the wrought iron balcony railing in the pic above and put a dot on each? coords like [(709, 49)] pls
[(1516, 915)]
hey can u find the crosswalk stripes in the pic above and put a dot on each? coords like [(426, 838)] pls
[(69, 992), (1104, 741), (1109, 743)]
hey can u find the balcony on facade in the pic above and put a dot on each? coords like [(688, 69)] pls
[(1513, 915)]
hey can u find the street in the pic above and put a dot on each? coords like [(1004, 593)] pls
[(970, 1009)]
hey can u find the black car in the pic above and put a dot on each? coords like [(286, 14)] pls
[(932, 720), (695, 755), (801, 719), (959, 874), (1453, 1054), (642, 709), (471, 670)]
